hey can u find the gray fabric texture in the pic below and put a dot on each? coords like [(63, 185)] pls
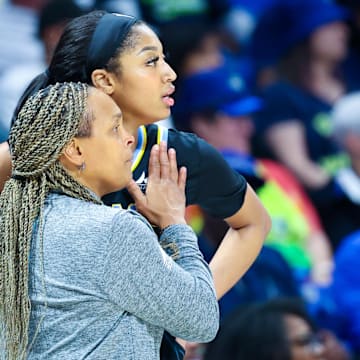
[(103, 287)]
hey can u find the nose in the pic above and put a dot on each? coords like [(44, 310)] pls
[(169, 73), (129, 139)]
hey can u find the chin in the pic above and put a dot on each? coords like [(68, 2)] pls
[(161, 115), (117, 186), (126, 182)]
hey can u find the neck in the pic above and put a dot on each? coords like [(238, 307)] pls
[(324, 83), (132, 128)]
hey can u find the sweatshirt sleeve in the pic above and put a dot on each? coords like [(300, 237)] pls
[(141, 277)]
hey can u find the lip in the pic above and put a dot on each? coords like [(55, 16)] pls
[(170, 91)]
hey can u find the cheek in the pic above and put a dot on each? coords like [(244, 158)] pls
[(119, 153), (330, 42), (135, 99)]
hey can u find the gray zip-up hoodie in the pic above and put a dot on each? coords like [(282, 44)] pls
[(102, 287)]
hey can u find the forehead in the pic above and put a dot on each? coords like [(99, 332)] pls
[(145, 36), (101, 105)]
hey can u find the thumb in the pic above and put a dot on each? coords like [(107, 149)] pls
[(136, 193)]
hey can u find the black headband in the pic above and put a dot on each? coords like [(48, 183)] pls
[(108, 36)]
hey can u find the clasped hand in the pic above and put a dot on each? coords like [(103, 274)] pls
[(163, 203)]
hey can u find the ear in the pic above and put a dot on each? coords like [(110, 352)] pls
[(103, 80), (72, 156)]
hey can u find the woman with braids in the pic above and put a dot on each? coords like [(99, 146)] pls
[(79, 279), (124, 58)]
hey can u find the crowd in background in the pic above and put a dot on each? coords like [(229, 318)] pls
[(274, 85)]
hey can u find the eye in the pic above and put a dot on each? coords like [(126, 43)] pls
[(152, 61), (116, 128)]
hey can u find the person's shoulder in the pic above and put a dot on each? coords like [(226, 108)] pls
[(187, 141), (282, 102), (175, 138), (95, 213)]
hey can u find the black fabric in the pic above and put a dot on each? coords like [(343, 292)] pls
[(210, 183), (170, 349), (108, 36)]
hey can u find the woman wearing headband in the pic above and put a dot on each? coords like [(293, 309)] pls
[(79, 279)]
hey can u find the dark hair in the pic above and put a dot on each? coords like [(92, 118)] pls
[(178, 45), (57, 11), (294, 66), (257, 331), (70, 57)]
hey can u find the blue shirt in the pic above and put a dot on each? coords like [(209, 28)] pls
[(285, 102)]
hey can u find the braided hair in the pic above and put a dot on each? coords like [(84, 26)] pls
[(46, 123)]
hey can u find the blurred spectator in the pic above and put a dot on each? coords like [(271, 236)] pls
[(197, 45), (241, 18), (52, 19), (269, 277), (128, 7), (279, 329), (346, 289), (340, 213), (216, 106), (305, 41), (159, 12), (350, 67), (192, 45), (192, 34), (18, 42)]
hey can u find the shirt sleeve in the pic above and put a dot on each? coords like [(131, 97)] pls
[(142, 279), (211, 183)]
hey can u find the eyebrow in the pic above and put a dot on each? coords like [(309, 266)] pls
[(148, 48), (117, 116)]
